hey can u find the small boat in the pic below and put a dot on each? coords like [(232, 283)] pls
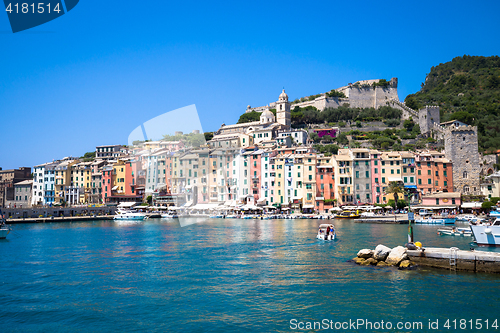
[(169, 216), (123, 214), (455, 232), (326, 232), (4, 228), (436, 220), (347, 214), (467, 218), (487, 234)]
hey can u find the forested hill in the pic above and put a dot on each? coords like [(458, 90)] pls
[(467, 89)]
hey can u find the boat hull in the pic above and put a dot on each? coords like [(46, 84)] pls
[(486, 235), (436, 221), (4, 232), (326, 238), (130, 217)]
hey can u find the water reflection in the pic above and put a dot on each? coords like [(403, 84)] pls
[(226, 274)]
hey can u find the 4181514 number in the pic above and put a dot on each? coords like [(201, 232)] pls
[(33, 8)]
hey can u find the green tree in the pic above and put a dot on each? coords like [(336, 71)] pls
[(149, 199), (208, 136), (487, 205), (249, 117), (395, 189)]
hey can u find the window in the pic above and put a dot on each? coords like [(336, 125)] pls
[(383, 170), (378, 189), (445, 183), (375, 170), (367, 174), (437, 201), (444, 173), (419, 181), (376, 180), (464, 174), (404, 170), (383, 179), (437, 173), (419, 172), (437, 183), (357, 174), (375, 162), (453, 201), (367, 186), (429, 181), (405, 179), (428, 172), (411, 179), (392, 171)]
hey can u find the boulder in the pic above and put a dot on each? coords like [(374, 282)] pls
[(405, 264), (370, 261), (381, 252), (382, 264), (396, 255), (365, 253), (358, 260)]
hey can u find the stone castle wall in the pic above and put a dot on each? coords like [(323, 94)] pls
[(357, 96)]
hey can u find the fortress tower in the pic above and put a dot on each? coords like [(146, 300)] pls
[(283, 112), (427, 117), (461, 147)]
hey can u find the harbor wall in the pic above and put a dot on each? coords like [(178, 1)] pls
[(472, 261), (48, 212)]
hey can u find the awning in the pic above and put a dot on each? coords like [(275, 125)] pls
[(307, 206), (411, 186), (433, 207), (114, 188), (473, 205), (127, 204), (395, 179), (205, 206)]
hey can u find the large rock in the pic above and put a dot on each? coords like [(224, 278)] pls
[(358, 260), (396, 255), (370, 261), (365, 253), (382, 264), (405, 264), (381, 252)]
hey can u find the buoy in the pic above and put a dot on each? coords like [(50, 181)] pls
[(418, 244)]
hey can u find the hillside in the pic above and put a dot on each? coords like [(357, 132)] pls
[(467, 89)]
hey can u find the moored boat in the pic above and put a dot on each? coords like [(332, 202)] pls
[(4, 228), (487, 234), (455, 232), (436, 220), (122, 214), (347, 214)]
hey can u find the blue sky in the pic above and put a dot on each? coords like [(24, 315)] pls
[(93, 75)]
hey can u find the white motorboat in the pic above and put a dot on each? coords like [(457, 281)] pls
[(455, 232), (467, 218), (487, 234), (4, 231), (4, 228), (169, 216), (443, 219), (123, 214), (326, 232)]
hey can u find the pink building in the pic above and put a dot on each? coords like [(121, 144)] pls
[(377, 189), (255, 176), (442, 200)]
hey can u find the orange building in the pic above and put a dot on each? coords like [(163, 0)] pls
[(434, 172), (325, 184)]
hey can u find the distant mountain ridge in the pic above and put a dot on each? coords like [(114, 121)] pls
[(466, 89)]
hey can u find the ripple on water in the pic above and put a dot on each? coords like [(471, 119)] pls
[(221, 275)]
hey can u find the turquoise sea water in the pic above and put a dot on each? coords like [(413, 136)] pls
[(225, 275)]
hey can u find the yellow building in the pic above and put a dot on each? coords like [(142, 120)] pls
[(391, 171), (343, 165)]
